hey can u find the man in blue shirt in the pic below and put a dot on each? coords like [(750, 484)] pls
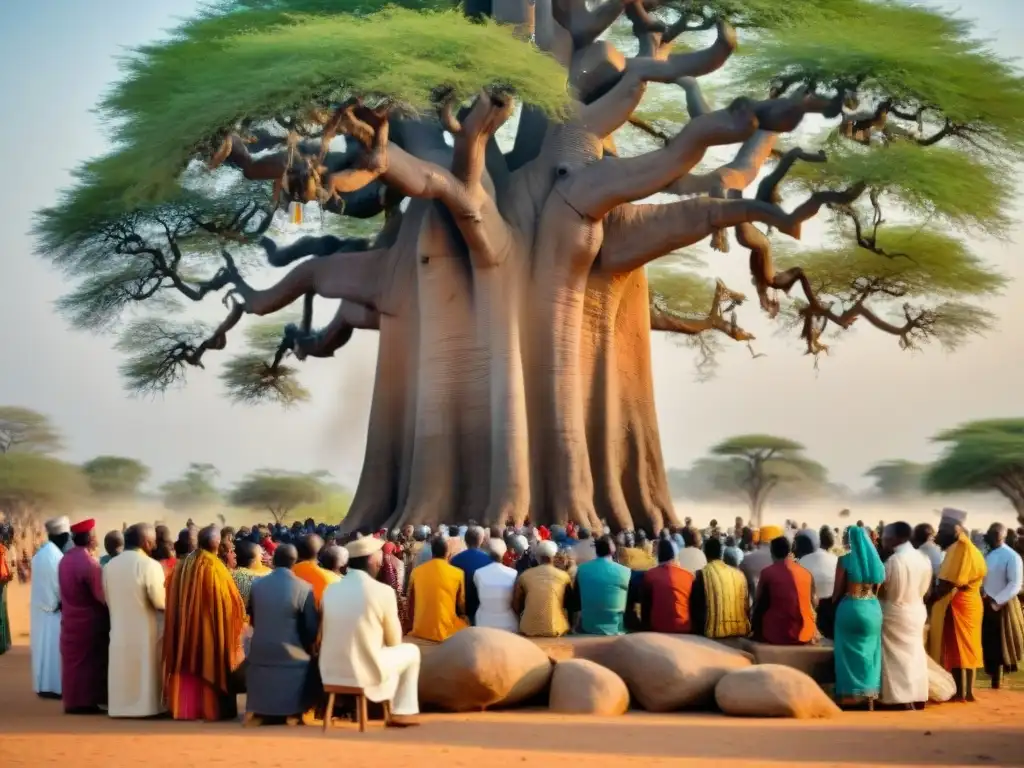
[(470, 560), (602, 586)]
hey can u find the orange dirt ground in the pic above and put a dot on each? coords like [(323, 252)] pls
[(36, 733)]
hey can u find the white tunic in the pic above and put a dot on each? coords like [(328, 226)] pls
[(134, 587), (908, 576), (822, 566), (44, 631), (494, 586)]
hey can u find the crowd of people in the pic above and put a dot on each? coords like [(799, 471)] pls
[(182, 624)]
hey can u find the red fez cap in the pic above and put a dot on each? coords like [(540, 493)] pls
[(83, 527)]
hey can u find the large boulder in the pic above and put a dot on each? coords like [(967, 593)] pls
[(773, 690), (479, 667), (941, 686), (581, 687), (670, 672)]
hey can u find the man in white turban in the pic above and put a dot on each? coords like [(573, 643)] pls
[(46, 605)]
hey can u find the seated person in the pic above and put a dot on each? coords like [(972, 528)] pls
[(361, 644), (469, 561), (602, 587), (665, 594), (308, 567), (543, 595), (719, 599), (783, 611), (691, 556), (280, 677), (495, 584), (437, 596), (632, 556)]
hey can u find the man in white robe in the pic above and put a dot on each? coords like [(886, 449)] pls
[(361, 644), (44, 631), (133, 583), (908, 577)]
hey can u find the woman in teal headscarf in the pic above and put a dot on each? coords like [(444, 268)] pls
[(858, 622)]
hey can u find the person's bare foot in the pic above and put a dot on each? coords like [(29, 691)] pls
[(402, 721), (251, 720)]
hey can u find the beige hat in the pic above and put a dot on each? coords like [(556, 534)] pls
[(364, 547), (957, 516), (547, 549), (58, 525)]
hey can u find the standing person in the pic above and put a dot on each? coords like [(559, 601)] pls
[(665, 593), (113, 545), (362, 637), (6, 574), (858, 622), (205, 618), (602, 587), (908, 577), (719, 601), (923, 540), (164, 551), (247, 558), (280, 675), (957, 611), (45, 597), (133, 584), (84, 625), (495, 586), (811, 550), (1002, 629), (437, 596), (469, 561)]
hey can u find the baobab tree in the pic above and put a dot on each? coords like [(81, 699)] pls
[(508, 288)]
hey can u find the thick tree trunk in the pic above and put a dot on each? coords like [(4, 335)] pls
[(642, 468)]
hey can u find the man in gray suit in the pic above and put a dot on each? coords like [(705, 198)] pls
[(281, 678)]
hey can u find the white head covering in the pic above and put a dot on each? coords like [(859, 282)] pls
[(462, 531), (547, 549), (520, 544), (957, 516), (497, 547), (57, 526), (364, 547)]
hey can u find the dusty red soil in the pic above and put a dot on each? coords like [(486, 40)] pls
[(35, 733)]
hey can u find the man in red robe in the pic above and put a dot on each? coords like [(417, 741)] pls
[(85, 624)]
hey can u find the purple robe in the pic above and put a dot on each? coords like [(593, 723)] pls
[(84, 631)]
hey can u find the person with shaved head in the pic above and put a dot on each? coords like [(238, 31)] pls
[(1002, 628), (205, 618), (134, 585)]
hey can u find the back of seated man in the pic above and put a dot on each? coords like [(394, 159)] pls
[(437, 596), (784, 602), (602, 589), (543, 596), (362, 644)]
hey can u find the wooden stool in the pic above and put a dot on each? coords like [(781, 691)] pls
[(360, 696)]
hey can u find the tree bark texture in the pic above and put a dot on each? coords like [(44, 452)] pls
[(514, 378)]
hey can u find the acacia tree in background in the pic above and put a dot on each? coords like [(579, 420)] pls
[(278, 492), (509, 287), (115, 477), (33, 486), (27, 431), (982, 456), (756, 465), (195, 489), (898, 478)]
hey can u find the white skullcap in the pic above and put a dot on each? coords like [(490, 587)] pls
[(462, 530), (497, 547), (547, 549), (957, 516), (58, 525), (520, 544)]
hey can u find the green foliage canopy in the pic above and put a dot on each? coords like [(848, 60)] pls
[(33, 484), (982, 456), (26, 431), (898, 478), (115, 477), (278, 492), (193, 490)]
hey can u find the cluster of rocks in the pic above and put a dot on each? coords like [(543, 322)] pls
[(478, 669)]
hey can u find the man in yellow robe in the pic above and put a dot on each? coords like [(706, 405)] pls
[(956, 607), (204, 619)]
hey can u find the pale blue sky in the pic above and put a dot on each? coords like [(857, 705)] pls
[(869, 401)]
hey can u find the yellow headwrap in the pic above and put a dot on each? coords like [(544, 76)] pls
[(769, 532)]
